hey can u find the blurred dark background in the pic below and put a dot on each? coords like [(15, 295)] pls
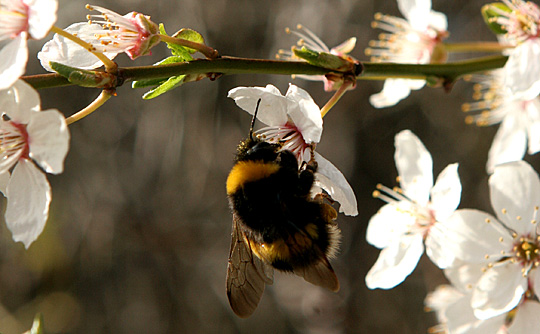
[(139, 231)]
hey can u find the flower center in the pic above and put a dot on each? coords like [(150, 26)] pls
[(13, 18), (521, 23), (424, 216), (492, 101), (290, 137), (132, 33), (402, 43), (526, 251), (14, 143)]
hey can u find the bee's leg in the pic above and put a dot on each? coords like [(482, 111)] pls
[(312, 163), (307, 173)]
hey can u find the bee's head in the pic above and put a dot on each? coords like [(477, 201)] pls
[(253, 149)]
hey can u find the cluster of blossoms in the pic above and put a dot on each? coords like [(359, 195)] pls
[(414, 40), (30, 136), (490, 261)]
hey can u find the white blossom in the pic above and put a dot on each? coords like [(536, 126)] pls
[(519, 129), (414, 215), (499, 256), (413, 40), (28, 136), (19, 21)]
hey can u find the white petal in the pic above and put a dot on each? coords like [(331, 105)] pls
[(437, 249), (14, 56), (64, 51), (499, 290), (415, 167), (305, 114), (395, 263), (515, 195), (4, 180), (533, 125), (345, 47), (49, 140), (273, 107), (329, 178), (437, 21), (416, 12), (394, 90), (523, 70), (440, 299), (510, 142), (41, 17), (464, 275), (388, 225), (472, 235), (28, 198), (446, 193), (19, 102), (460, 319), (526, 319)]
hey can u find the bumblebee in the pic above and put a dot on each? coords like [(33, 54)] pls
[(276, 223)]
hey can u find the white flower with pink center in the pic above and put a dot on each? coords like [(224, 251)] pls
[(414, 217), (522, 31), (295, 121), (499, 256), (20, 20), (109, 33), (519, 130), (413, 40), (28, 136)]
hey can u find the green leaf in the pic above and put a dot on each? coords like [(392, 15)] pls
[(190, 35), (491, 12), (158, 81), (176, 50), (84, 78), (168, 85), (324, 59)]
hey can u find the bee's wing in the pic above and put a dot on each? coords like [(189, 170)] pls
[(320, 274), (246, 274)]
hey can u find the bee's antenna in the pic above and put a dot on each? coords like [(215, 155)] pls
[(253, 119)]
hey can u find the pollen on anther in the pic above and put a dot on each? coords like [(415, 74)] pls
[(486, 256), (518, 218), (533, 221), (501, 239), (376, 193), (503, 211), (488, 220)]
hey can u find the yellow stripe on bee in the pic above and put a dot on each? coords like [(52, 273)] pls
[(281, 250), (248, 171)]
